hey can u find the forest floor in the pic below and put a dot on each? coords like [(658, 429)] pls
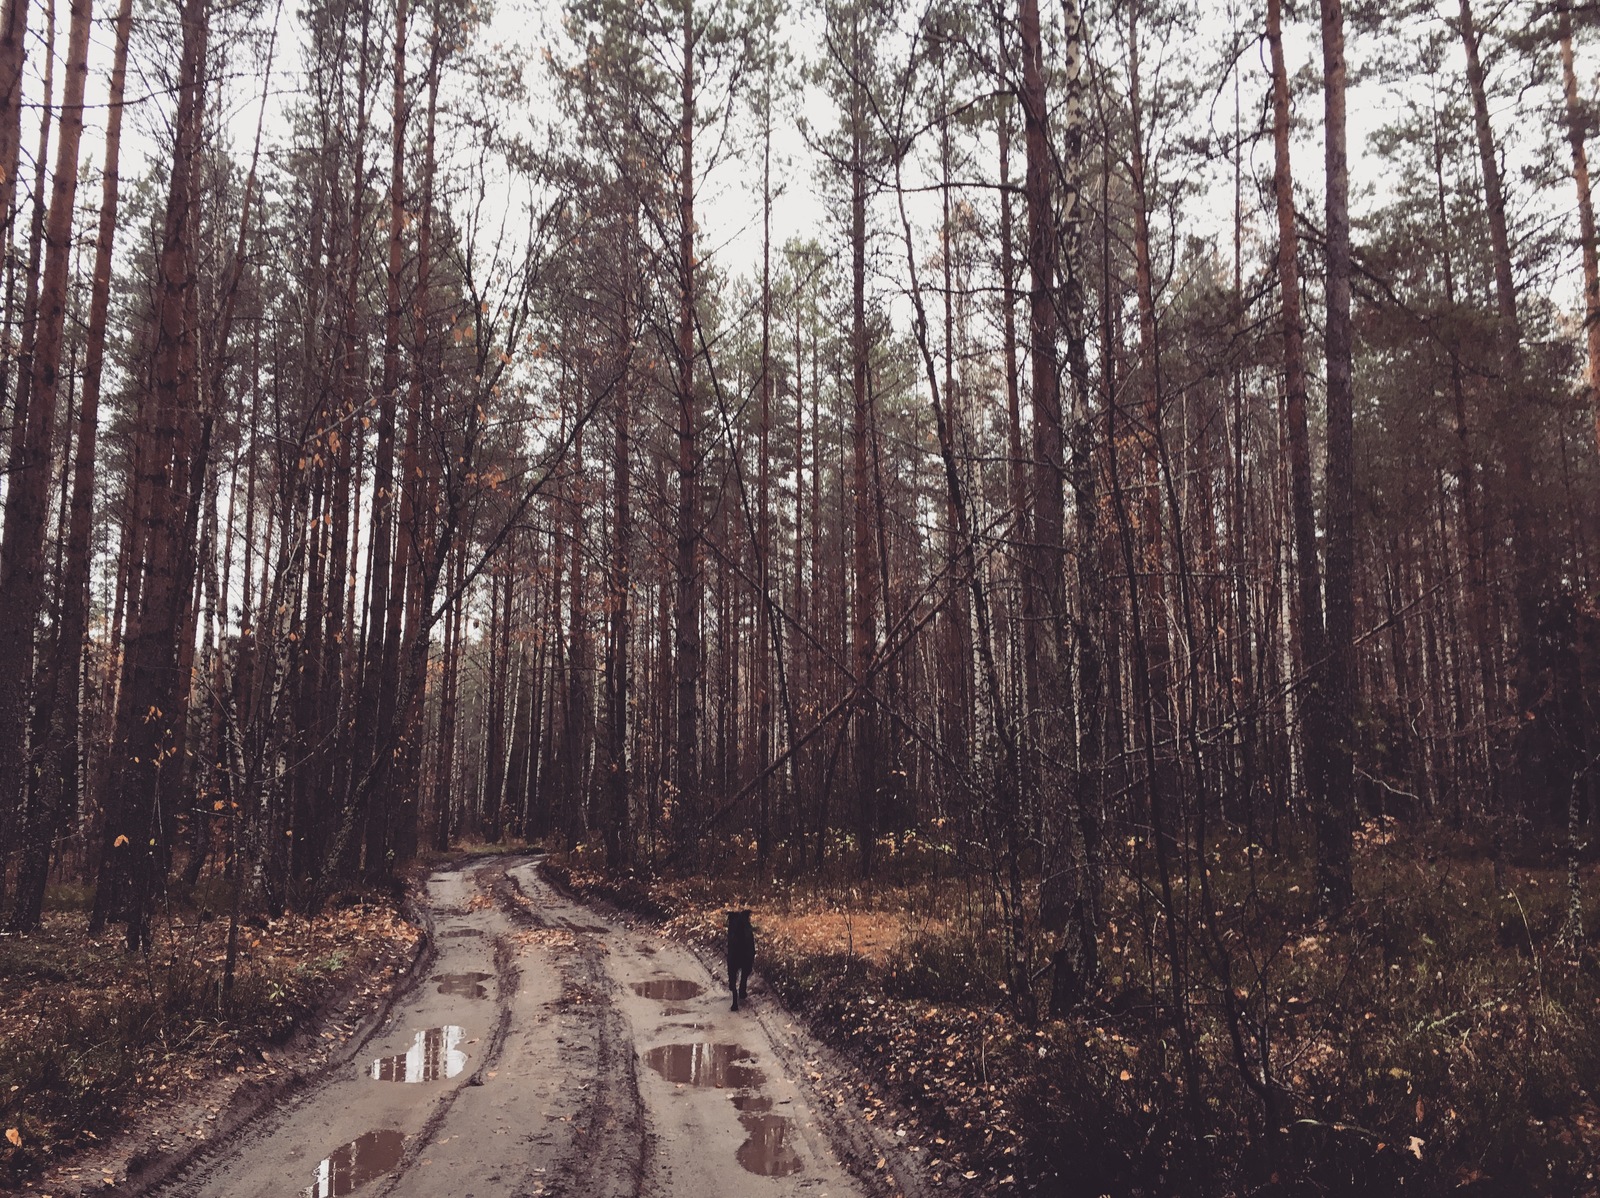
[(1444, 1038), (111, 1061), (557, 1047)]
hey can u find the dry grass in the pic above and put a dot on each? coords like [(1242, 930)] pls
[(874, 936)]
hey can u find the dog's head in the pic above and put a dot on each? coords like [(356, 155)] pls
[(738, 919)]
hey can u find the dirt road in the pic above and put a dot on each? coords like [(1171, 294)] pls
[(554, 1051)]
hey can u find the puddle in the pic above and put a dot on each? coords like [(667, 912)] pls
[(435, 1053), (752, 1102), (767, 1150), (469, 985), (356, 1163), (725, 1066), (454, 932), (668, 989)]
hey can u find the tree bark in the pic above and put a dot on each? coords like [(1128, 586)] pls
[(1336, 815), (148, 719), (1528, 559), (1576, 133), (864, 578), (1308, 571), (686, 608), (27, 501)]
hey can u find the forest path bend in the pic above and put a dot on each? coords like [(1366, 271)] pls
[(550, 1051)]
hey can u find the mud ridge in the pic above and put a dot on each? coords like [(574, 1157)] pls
[(508, 896), (610, 1158)]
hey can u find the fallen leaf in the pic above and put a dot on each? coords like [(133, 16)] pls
[(14, 1136)]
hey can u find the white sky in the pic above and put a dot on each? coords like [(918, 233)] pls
[(728, 210)]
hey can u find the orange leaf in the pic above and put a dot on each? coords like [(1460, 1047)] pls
[(14, 1136), (119, 842)]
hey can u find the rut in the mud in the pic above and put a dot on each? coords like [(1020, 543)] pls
[(549, 1052)]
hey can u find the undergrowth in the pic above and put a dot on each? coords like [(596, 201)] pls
[(88, 1031), (1441, 1038)]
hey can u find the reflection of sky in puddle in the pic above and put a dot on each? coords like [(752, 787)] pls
[(767, 1151), (434, 1053), (356, 1163), (725, 1066)]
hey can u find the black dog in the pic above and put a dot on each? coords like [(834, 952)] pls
[(741, 954)]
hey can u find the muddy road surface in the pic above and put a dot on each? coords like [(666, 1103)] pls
[(553, 1050)]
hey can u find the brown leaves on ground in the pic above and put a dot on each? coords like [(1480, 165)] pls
[(1442, 1033), (90, 1033)]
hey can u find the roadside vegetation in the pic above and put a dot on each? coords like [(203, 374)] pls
[(91, 1035), (1441, 1039)]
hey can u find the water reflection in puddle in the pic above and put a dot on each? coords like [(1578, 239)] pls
[(469, 985), (356, 1163), (767, 1151), (432, 1055), (751, 1102), (668, 989), (725, 1066)]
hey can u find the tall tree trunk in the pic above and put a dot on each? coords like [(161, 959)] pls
[(959, 695), (686, 608), (1477, 597), (1153, 563), (1080, 824), (864, 577), (1529, 568), (579, 673), (1308, 573), (1049, 518), (13, 54), (416, 536), (1576, 132), (27, 501), (1065, 909), (763, 596), (1336, 814), (1018, 466), (27, 497), (73, 632), (385, 595), (618, 827), (148, 717)]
